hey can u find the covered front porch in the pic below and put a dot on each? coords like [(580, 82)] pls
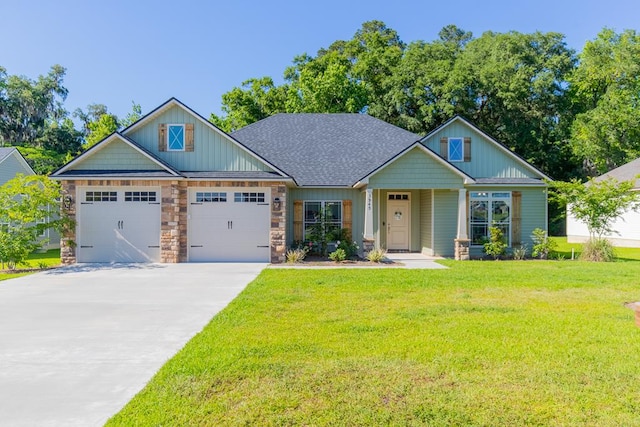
[(431, 221)]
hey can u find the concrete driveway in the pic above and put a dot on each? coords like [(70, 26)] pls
[(79, 342)]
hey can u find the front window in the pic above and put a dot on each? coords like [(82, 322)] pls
[(489, 209), (175, 137), (316, 211), (455, 153)]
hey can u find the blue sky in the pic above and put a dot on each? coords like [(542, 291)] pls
[(120, 51)]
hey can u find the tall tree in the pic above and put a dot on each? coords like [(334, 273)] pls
[(255, 100), (26, 105), (514, 86), (606, 87)]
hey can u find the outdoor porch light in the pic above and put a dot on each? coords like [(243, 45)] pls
[(276, 204), (67, 201)]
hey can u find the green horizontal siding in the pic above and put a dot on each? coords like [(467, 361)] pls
[(415, 170), (213, 151), (118, 155), (10, 166), (487, 160)]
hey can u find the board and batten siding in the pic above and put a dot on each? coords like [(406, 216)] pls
[(487, 160), (10, 166), (445, 222), (356, 196), (118, 155), (426, 232), (415, 170), (213, 151)]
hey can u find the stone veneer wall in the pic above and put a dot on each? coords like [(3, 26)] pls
[(174, 216)]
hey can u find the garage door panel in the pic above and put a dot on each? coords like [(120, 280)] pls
[(228, 225), (119, 225)]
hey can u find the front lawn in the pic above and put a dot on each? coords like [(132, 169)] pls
[(36, 260), (482, 343)]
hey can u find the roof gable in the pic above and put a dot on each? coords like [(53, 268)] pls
[(12, 163), (115, 153), (627, 172), (325, 149), (213, 150), (489, 158), (414, 167)]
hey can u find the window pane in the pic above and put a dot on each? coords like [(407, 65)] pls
[(311, 210), (455, 149), (500, 211), (478, 211), (176, 138), (333, 211), (479, 233)]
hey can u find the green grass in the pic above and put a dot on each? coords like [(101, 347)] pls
[(50, 258), (483, 343), (622, 254)]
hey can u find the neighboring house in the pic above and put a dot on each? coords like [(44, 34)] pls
[(172, 187), (625, 229), (11, 164)]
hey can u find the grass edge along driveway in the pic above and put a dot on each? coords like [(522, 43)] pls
[(483, 343)]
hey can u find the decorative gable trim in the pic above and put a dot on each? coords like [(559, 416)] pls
[(466, 178), (499, 145), (173, 102), (116, 136)]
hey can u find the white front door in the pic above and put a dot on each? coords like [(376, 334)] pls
[(229, 224), (118, 224), (398, 221)]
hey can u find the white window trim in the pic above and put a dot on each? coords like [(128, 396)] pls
[(490, 199), (461, 139), (184, 142)]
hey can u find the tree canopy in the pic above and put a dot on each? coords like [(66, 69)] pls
[(570, 115)]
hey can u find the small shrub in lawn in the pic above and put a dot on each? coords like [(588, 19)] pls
[(542, 244), (598, 249), (376, 255), (338, 255), (296, 255), (496, 246), (349, 247), (520, 252)]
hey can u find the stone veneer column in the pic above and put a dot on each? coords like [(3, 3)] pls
[(171, 233), (277, 233), (68, 238)]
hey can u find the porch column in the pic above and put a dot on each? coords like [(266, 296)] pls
[(367, 238), (461, 242), (462, 214)]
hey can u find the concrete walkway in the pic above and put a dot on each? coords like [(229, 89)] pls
[(410, 260), (415, 260), (77, 343)]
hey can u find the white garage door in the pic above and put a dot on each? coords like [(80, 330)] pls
[(118, 224), (229, 224)]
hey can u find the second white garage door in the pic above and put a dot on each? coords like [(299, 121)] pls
[(229, 224)]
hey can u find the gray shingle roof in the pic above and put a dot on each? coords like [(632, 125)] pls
[(625, 172), (325, 149), (5, 151)]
